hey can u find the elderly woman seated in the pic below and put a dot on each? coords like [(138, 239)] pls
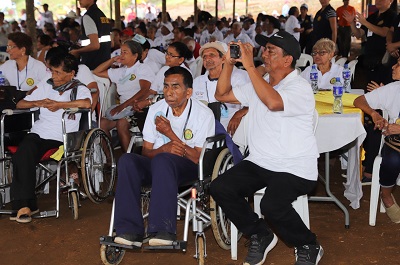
[(322, 53), (60, 92), (133, 83), (386, 98)]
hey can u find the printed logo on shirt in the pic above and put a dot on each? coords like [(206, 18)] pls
[(188, 134), (333, 80), (30, 81), (133, 77), (104, 20), (380, 22), (319, 18)]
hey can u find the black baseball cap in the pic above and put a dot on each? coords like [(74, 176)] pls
[(282, 39)]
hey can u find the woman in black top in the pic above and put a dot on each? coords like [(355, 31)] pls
[(324, 25)]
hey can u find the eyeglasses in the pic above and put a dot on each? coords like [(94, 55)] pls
[(171, 55), (320, 53), (10, 47)]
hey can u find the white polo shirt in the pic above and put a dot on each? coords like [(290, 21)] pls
[(156, 56), (27, 78), (327, 80), (386, 98), (158, 83), (200, 121), (127, 79), (291, 23), (49, 124), (205, 36), (282, 141), (204, 89)]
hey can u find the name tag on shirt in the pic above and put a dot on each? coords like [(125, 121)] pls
[(369, 33)]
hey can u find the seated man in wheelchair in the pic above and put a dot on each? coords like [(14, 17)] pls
[(174, 133), (61, 91)]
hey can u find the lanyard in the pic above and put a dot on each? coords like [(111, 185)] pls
[(26, 75), (187, 119), (212, 80)]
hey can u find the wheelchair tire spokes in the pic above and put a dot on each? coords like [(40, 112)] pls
[(98, 166), (111, 255)]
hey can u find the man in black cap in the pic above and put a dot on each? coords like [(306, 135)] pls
[(282, 151)]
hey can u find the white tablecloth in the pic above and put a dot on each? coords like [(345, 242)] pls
[(335, 131)]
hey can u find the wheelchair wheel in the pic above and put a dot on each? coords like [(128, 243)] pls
[(111, 255), (74, 204), (200, 250), (221, 226), (98, 166)]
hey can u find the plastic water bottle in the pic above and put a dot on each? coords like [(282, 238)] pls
[(3, 80), (314, 78), (337, 94), (346, 78)]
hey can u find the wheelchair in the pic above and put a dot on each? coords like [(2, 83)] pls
[(200, 209), (88, 149)]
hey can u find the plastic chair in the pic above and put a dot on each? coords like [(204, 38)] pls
[(341, 61), (304, 60), (4, 56), (352, 66), (375, 186)]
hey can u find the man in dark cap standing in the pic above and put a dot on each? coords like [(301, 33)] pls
[(282, 151)]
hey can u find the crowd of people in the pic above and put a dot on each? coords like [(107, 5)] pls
[(165, 71)]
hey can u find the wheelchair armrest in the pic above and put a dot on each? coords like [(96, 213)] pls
[(215, 138), (76, 110), (18, 111)]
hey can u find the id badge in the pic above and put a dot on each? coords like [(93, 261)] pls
[(369, 33)]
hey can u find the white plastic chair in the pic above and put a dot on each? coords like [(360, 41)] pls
[(352, 66), (375, 186), (341, 61), (4, 56), (304, 60), (300, 205), (107, 93)]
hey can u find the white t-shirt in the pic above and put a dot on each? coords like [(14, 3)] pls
[(205, 36), (158, 82), (155, 67), (156, 56), (244, 38), (282, 141), (327, 80), (204, 89), (291, 23), (386, 98), (49, 124), (27, 78), (127, 79), (200, 122), (163, 40)]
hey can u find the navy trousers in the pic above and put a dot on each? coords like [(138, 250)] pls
[(164, 173)]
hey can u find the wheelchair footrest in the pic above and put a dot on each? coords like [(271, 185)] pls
[(3, 211), (176, 245), (109, 241)]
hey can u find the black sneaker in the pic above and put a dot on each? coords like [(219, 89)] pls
[(162, 239), (259, 247), (129, 239), (308, 254)]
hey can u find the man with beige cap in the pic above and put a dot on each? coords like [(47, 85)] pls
[(204, 86)]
